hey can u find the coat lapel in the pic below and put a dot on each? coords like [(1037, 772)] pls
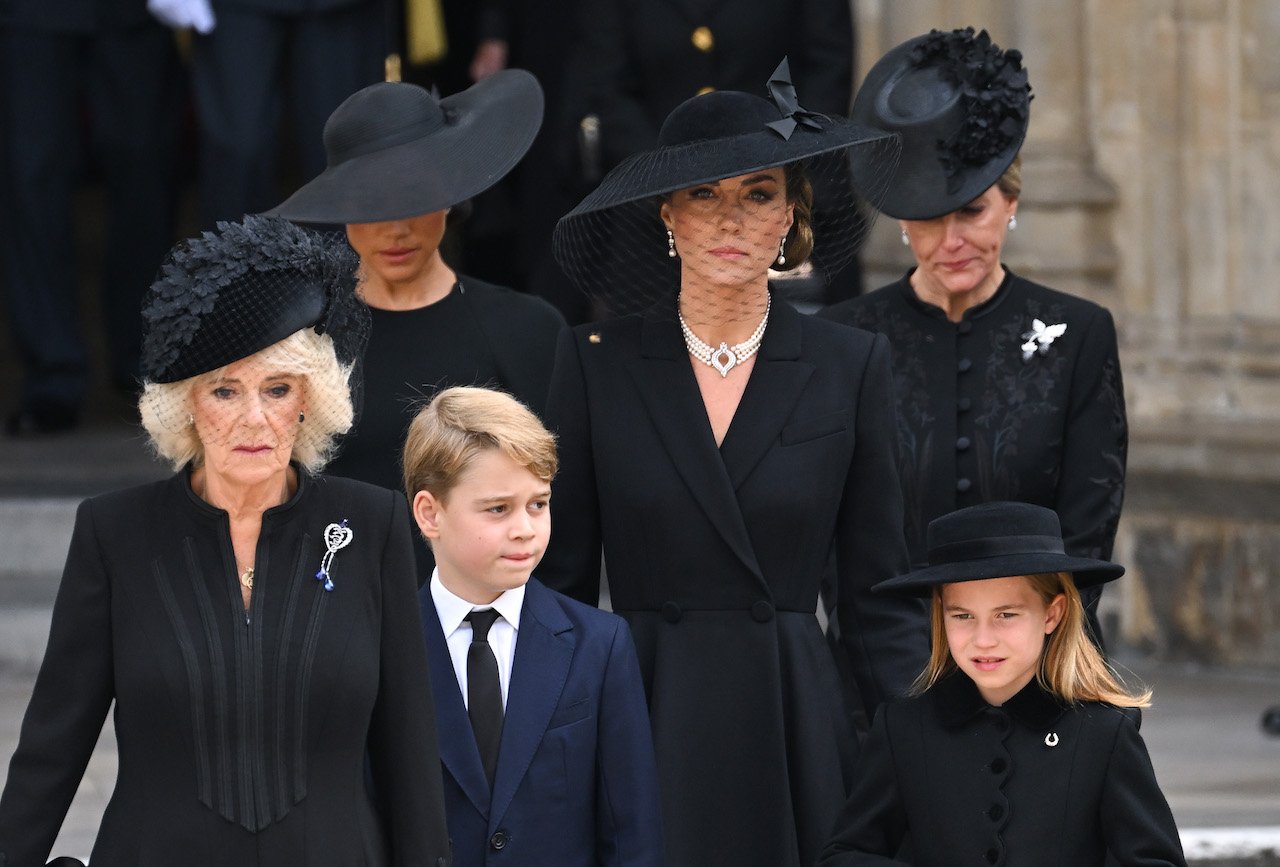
[(544, 651), (670, 392), (771, 395), (458, 750)]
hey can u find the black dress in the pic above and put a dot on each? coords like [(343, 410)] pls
[(242, 738), (714, 558), (978, 422), (947, 779)]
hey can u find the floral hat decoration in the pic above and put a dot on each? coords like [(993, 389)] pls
[(234, 291), (961, 106)]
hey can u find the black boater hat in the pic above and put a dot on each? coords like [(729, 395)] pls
[(396, 151), (961, 106), (613, 244), (997, 540), (229, 293)]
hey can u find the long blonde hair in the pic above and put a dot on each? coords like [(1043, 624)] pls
[(1071, 668)]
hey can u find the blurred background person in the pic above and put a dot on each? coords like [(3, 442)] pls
[(1005, 389), (85, 85)]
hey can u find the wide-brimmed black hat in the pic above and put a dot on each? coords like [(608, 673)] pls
[(396, 151), (997, 540), (613, 242), (961, 106), (232, 292)]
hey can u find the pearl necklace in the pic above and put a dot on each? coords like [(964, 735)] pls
[(724, 358)]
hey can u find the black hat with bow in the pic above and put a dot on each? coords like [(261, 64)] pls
[(997, 540), (612, 244), (961, 106)]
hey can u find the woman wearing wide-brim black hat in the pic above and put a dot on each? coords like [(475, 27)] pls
[(723, 447), (252, 621), (399, 160), (1020, 745), (1005, 389)]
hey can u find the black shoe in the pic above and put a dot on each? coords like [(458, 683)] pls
[(40, 419)]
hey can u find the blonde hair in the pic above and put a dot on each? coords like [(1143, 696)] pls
[(1071, 668), (799, 243), (165, 407), (1010, 183), (458, 425)]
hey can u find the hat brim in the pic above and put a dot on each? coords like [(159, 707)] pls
[(1087, 572), (492, 125), (665, 170), (918, 186)]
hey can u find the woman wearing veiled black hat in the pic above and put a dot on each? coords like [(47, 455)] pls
[(722, 447), (1020, 745), (1005, 389), (253, 622), (399, 160)]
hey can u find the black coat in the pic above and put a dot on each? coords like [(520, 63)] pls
[(714, 558), (947, 779), (977, 423), (638, 61), (241, 740), (75, 16)]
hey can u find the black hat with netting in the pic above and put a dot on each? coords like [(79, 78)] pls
[(614, 244), (230, 293)]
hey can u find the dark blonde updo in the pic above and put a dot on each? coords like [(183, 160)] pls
[(799, 243), (1010, 182)]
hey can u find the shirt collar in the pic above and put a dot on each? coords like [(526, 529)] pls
[(453, 609), (958, 701), (1002, 291)]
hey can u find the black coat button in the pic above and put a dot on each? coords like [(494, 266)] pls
[(965, 327), (499, 840), (996, 812), (963, 404), (671, 612), (964, 365), (762, 612), (998, 765), (962, 444), (993, 855), (963, 485)]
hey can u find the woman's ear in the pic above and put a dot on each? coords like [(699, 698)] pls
[(664, 213), (1054, 613), (426, 512)]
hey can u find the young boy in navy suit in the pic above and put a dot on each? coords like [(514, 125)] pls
[(544, 731)]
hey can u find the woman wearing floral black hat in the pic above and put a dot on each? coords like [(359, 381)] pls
[(723, 447), (1020, 745), (1005, 389), (253, 623)]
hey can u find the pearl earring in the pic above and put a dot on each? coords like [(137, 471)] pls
[(302, 416), (191, 420), (1013, 222), (671, 244), (906, 242), (782, 251)]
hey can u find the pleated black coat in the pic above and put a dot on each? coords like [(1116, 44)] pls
[(714, 557), (947, 779), (242, 740)]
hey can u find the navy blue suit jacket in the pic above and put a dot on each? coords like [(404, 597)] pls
[(576, 782)]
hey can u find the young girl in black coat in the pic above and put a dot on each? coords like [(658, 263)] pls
[(1020, 746)]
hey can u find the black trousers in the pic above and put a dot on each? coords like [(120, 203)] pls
[(129, 81), (251, 65)]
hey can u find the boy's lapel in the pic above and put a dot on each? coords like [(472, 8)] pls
[(544, 651), (458, 748)]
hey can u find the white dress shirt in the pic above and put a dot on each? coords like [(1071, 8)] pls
[(453, 611)]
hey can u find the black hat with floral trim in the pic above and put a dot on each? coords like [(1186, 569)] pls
[(961, 106), (241, 288)]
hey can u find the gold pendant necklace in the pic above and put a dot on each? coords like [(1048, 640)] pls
[(246, 578)]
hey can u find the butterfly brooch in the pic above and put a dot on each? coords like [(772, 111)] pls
[(1040, 338)]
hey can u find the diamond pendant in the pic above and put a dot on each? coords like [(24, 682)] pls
[(730, 360)]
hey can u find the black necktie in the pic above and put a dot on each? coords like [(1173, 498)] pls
[(484, 692)]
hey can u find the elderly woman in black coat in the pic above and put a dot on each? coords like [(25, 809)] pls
[(723, 447), (252, 622), (1005, 389)]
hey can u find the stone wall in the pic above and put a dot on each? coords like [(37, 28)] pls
[(1152, 185)]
